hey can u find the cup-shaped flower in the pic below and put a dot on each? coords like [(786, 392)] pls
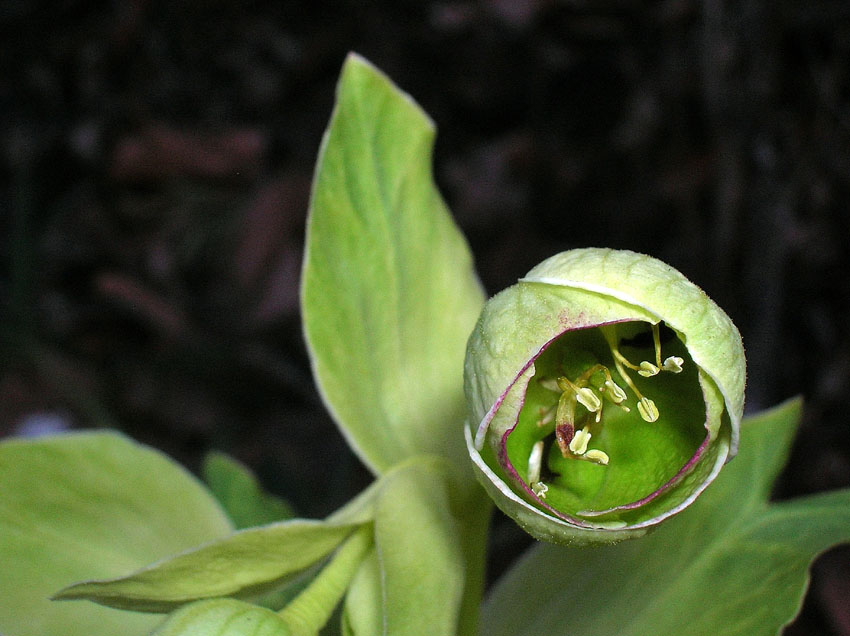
[(604, 392)]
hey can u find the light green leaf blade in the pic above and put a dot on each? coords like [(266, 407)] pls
[(248, 563), (418, 547), (89, 505), (240, 494), (731, 565), (389, 295), (223, 617)]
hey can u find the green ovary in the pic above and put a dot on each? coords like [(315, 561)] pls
[(629, 456)]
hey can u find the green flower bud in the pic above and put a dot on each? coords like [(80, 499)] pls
[(604, 393)]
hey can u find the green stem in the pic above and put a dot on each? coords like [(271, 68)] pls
[(310, 610), (475, 527)]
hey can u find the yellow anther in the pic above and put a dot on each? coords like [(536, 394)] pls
[(589, 400), (580, 440), (614, 391), (647, 369), (586, 389), (540, 489), (596, 456), (629, 382), (647, 409), (673, 364)]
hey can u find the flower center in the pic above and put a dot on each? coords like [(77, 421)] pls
[(577, 415)]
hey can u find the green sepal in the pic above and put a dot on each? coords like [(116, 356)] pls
[(90, 504)]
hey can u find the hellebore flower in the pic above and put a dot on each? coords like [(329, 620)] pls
[(604, 393)]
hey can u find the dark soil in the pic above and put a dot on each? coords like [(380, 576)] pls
[(156, 164)]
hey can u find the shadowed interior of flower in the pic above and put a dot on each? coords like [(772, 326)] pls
[(613, 418)]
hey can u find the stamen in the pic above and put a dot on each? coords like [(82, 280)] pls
[(588, 392), (656, 339), (613, 390), (673, 364), (619, 357), (564, 385), (647, 369), (540, 489), (626, 378), (584, 395), (589, 400), (580, 441), (647, 409), (596, 456)]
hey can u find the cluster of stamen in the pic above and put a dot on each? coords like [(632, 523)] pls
[(587, 391)]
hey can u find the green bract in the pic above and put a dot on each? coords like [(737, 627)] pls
[(605, 392)]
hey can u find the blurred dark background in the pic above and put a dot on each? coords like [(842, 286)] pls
[(156, 165)]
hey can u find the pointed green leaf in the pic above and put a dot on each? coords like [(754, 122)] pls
[(83, 505), (247, 563), (240, 494), (389, 295), (731, 565), (223, 617)]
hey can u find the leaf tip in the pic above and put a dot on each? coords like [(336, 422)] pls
[(67, 593)]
